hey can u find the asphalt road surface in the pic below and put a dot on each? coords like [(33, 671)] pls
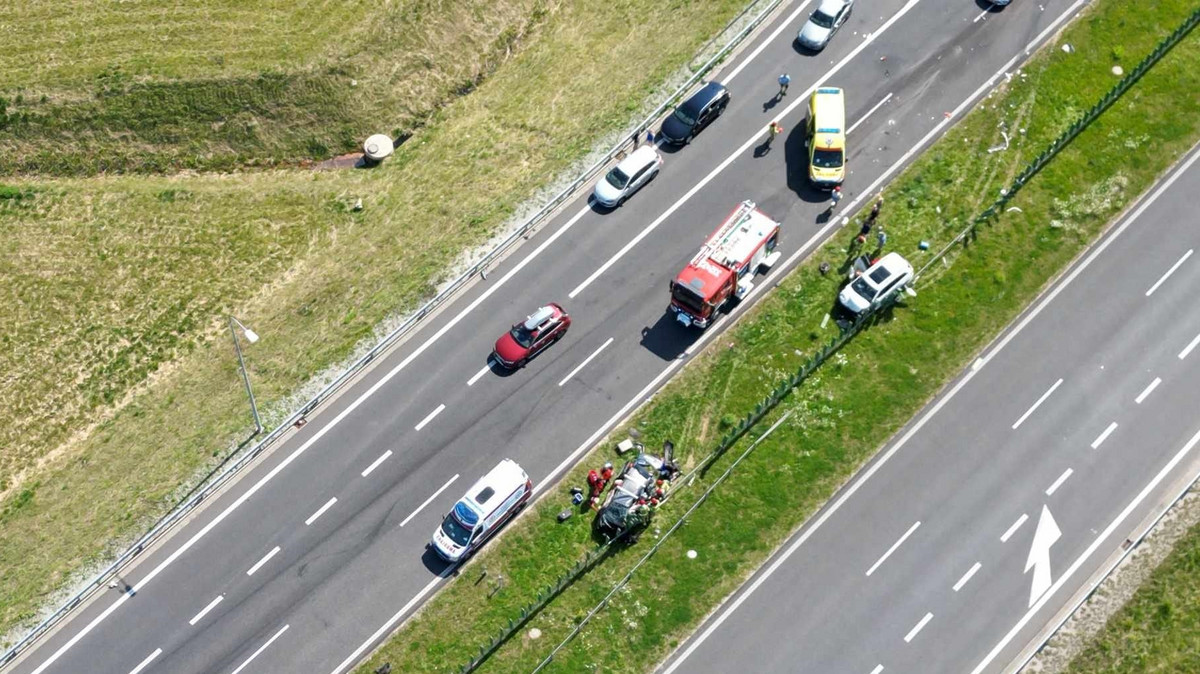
[(960, 543), (318, 550)]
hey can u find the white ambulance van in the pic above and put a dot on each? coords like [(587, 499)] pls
[(490, 503)]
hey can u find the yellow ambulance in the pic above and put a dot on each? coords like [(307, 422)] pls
[(827, 138)]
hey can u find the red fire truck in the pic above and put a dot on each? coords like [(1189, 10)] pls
[(744, 243)]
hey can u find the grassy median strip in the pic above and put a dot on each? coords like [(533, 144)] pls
[(1159, 629), (120, 381), (868, 390)]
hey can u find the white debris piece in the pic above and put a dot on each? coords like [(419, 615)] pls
[(1118, 71)]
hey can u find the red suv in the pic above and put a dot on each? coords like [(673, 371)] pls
[(543, 327)]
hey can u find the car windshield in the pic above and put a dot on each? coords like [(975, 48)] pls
[(684, 117), (689, 299), (617, 178), (521, 335), (821, 19), (827, 158), (455, 530), (864, 289)]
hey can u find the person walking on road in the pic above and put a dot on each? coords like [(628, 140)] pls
[(773, 130), (784, 81)]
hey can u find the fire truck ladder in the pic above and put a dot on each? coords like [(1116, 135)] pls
[(735, 226)]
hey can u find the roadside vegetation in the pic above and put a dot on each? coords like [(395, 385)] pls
[(1158, 630), (867, 391), (95, 87), (120, 386)]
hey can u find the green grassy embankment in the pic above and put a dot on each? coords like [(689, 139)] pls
[(868, 390), (120, 383)]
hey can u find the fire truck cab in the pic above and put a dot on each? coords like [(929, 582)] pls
[(725, 266)]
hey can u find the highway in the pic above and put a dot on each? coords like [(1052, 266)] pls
[(317, 551), (994, 507)]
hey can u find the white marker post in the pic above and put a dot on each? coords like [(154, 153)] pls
[(1039, 554)]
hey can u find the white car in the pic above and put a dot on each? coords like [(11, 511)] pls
[(627, 177), (823, 23), (880, 281)]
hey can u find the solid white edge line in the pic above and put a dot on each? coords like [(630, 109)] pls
[(1058, 483), (204, 611), (1036, 404), (259, 564), (1169, 272), (1191, 345), (967, 576), (157, 652), (350, 659), (486, 369), (375, 464), (261, 649), (1147, 391), (892, 549), (877, 670), (320, 433), (767, 41), (1091, 549), (321, 511), (917, 628), (756, 137), (586, 361), (868, 114), (429, 500), (1104, 436), (1013, 529), (430, 417)]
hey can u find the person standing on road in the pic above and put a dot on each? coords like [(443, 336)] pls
[(835, 195), (649, 137), (784, 81), (773, 130)]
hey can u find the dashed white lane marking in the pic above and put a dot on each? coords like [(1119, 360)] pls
[(1148, 390), (1013, 529), (486, 369), (429, 500), (981, 15), (1036, 404), (966, 577), (430, 417), (1104, 436), (767, 41), (877, 670), (586, 361), (1184, 354), (320, 511), (893, 548), (864, 117), (918, 627), (204, 611), (1058, 483), (1097, 541), (259, 564), (262, 648), (1169, 272), (157, 652), (740, 152), (375, 464)]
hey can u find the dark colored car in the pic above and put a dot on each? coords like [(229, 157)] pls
[(527, 338), (695, 113)]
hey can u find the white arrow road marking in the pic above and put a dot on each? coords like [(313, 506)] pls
[(1039, 554)]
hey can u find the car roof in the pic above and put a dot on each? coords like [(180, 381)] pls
[(500, 482), (640, 157), (892, 263), (538, 317), (830, 7), (701, 98)]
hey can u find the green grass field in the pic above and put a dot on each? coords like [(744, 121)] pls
[(120, 383), (109, 87), (1159, 629), (840, 417)]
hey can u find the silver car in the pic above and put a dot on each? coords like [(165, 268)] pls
[(639, 168), (823, 23)]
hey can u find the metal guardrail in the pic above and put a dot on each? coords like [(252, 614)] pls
[(221, 478)]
